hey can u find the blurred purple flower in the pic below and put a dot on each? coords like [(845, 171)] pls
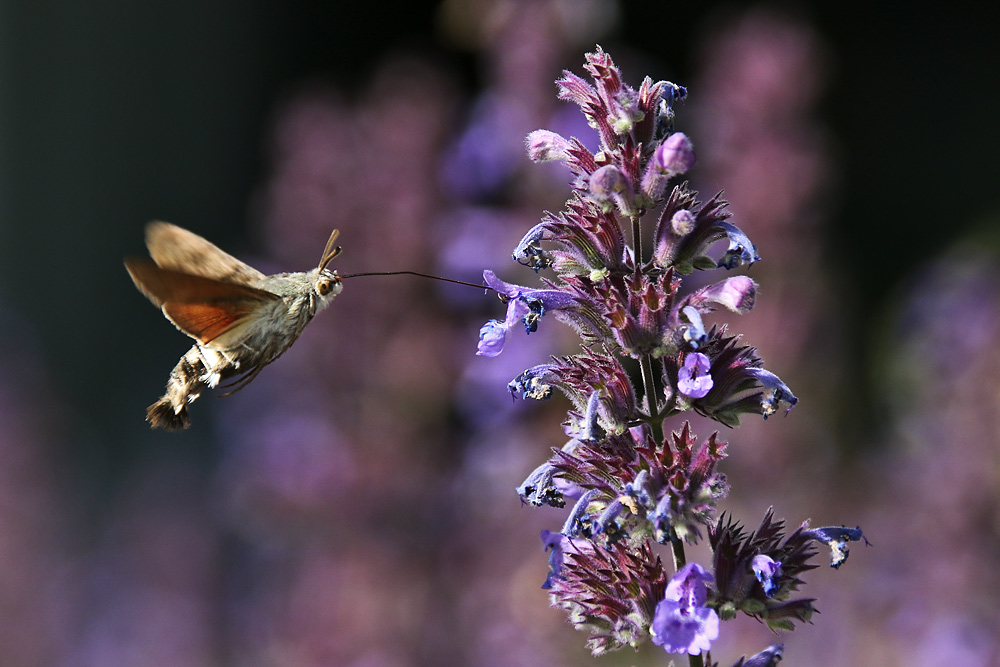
[(682, 623)]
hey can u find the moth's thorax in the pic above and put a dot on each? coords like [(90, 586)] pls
[(303, 293)]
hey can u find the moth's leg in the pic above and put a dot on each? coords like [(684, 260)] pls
[(215, 362)]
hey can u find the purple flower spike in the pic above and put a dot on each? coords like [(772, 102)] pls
[(693, 379), (682, 623)]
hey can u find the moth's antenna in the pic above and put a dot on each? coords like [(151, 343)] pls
[(416, 273), (329, 252)]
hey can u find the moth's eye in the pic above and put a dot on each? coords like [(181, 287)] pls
[(324, 286)]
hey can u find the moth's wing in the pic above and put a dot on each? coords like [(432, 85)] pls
[(172, 247), (208, 310)]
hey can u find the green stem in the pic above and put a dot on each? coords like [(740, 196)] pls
[(637, 244), (649, 388), (656, 423)]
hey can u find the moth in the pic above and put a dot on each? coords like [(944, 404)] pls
[(240, 319)]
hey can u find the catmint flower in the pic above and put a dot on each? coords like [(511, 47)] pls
[(766, 569), (693, 379), (524, 305), (588, 429), (682, 623), (741, 252), (607, 525), (694, 333), (546, 146), (837, 537), (492, 337), (578, 522), (535, 383), (736, 294), (769, 657), (554, 542), (540, 488), (670, 93), (529, 252), (775, 393)]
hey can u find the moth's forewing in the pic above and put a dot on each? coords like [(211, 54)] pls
[(172, 247), (207, 310)]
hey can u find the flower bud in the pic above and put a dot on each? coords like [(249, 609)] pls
[(675, 155), (736, 294), (609, 182), (546, 146), (682, 222)]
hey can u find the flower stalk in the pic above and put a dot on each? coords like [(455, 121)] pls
[(638, 485)]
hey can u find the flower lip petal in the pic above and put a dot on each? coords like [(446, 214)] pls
[(492, 337), (693, 379), (682, 623)]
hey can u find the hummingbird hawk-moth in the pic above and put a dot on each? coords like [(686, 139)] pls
[(240, 319)]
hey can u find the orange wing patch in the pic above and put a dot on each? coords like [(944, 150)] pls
[(203, 308), (207, 321)]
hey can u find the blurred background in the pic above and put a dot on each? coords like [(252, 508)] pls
[(355, 505)]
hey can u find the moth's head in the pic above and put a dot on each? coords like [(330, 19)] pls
[(326, 285)]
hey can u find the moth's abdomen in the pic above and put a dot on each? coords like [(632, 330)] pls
[(200, 368), (184, 385)]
